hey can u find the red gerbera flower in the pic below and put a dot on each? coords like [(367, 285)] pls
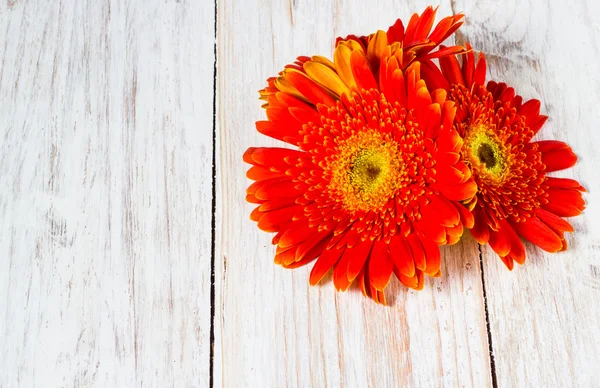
[(515, 197), (373, 186)]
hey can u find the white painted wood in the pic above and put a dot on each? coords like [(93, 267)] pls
[(272, 329), (105, 207), (105, 193), (545, 316)]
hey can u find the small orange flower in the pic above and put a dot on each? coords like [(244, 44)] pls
[(515, 197), (373, 184)]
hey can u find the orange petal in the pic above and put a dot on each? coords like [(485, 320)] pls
[(308, 88), (325, 76), (376, 47), (341, 59)]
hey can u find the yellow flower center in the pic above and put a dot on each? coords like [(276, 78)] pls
[(369, 170), (486, 152), (366, 170)]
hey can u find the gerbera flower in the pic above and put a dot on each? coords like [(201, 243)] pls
[(515, 197), (373, 184)]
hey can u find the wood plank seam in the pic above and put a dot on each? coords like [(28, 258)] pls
[(213, 220), (487, 322), (460, 39)]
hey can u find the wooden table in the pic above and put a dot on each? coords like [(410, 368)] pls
[(126, 254)]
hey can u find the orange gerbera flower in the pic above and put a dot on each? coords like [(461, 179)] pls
[(515, 197), (373, 186)]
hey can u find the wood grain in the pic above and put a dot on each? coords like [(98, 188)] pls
[(544, 316), (271, 328), (106, 132), (105, 193)]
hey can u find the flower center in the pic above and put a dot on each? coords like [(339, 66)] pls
[(486, 155), (367, 170), (486, 152)]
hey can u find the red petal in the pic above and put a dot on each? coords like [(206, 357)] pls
[(362, 72), (539, 234), (360, 253), (466, 217), (296, 234), (433, 76), (431, 228), (271, 221), (530, 109), (432, 256), (340, 277), (278, 190), (480, 70), (451, 69), (553, 221), (480, 230), (468, 67), (564, 183), (564, 202), (258, 173), (446, 27), (517, 250), (418, 253), (462, 192), (508, 261), (556, 155), (416, 282), (500, 242), (396, 32), (442, 210), (380, 266), (324, 263), (402, 255), (273, 157)]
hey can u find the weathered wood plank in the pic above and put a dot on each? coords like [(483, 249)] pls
[(544, 316), (272, 330), (105, 193)]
